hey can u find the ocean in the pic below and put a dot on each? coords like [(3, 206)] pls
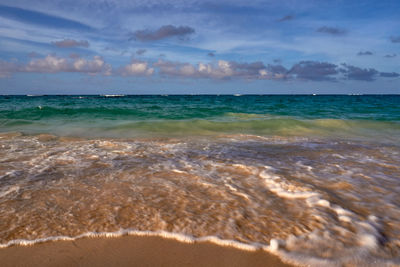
[(314, 179)]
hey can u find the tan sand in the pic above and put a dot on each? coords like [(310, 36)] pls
[(132, 251)]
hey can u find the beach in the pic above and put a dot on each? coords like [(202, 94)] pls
[(200, 133), (133, 251), (199, 180)]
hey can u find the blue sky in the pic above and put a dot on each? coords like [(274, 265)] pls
[(190, 47)]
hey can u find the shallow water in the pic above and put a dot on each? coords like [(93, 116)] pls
[(141, 116), (321, 189)]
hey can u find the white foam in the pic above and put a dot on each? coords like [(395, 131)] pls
[(323, 203), (14, 188), (113, 95), (276, 246), (306, 246), (279, 187), (9, 173), (168, 235), (178, 171), (344, 218), (303, 249), (340, 211), (236, 192), (368, 241)]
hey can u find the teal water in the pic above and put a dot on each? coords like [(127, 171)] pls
[(265, 115), (312, 179)]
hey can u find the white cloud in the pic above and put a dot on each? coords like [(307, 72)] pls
[(97, 65), (220, 70), (55, 64), (137, 68), (50, 64)]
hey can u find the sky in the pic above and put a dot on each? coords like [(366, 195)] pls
[(199, 47)]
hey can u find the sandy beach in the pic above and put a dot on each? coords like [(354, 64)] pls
[(132, 251)]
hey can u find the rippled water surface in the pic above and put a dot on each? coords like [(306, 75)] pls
[(317, 175)]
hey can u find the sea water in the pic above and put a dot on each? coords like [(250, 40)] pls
[(313, 179)]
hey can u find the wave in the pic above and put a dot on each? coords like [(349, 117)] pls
[(163, 234), (358, 256), (305, 201), (250, 124)]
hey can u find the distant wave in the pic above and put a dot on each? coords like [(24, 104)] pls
[(113, 95)]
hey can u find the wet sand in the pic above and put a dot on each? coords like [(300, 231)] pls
[(132, 251)]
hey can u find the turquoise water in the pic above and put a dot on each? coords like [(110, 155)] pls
[(312, 179), (134, 116)]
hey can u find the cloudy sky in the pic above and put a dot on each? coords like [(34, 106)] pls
[(191, 47)]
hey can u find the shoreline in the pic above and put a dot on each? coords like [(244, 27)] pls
[(131, 250)]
